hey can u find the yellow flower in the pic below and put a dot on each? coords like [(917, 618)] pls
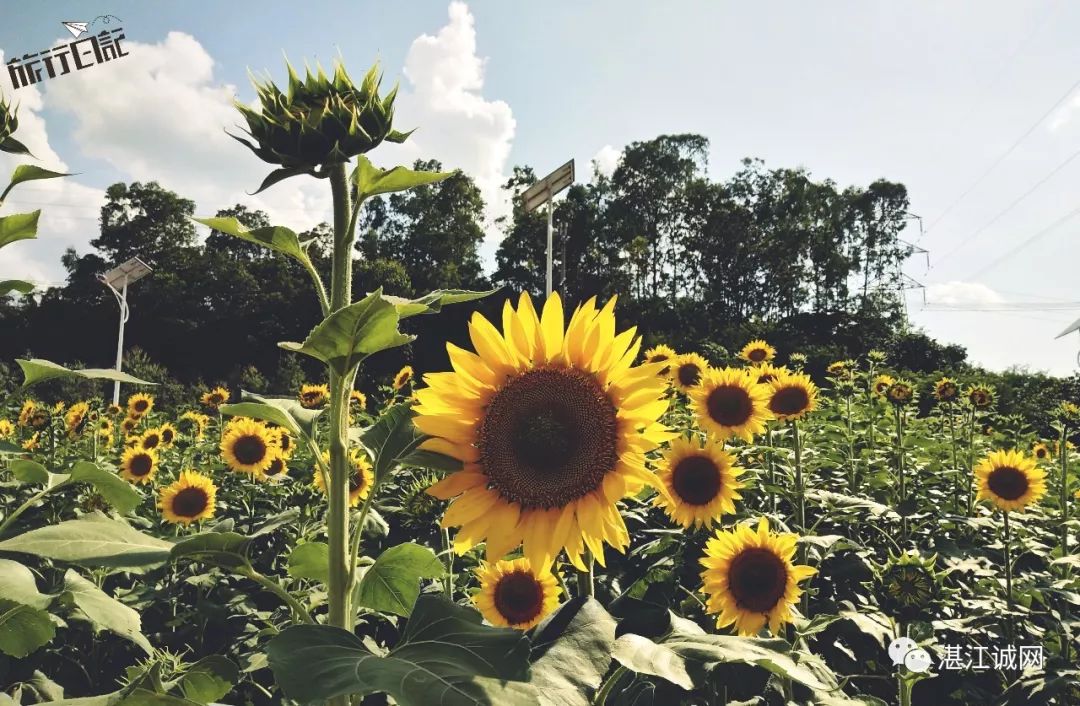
[(688, 371), (552, 424), (767, 372), (793, 396), (1041, 451), (168, 434), (881, 385), (757, 351), (7, 429), (701, 480), (129, 424), (1010, 480), (838, 368), (150, 440), (360, 479), (403, 377), (980, 396), (285, 442), (114, 410), (195, 424), (26, 413), (514, 594), (189, 499), (314, 396), (215, 398), (730, 402), (248, 446), (946, 390), (33, 442), (359, 398), (76, 417), (661, 354), (277, 471), (105, 427), (750, 580), (139, 405), (900, 393), (138, 465)]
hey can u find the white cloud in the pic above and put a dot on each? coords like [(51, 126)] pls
[(606, 159), (956, 293)]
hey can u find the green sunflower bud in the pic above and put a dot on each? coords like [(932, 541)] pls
[(318, 121), (9, 123), (909, 587)]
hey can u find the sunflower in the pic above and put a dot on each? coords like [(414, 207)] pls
[(314, 396), (792, 396), (33, 442), (75, 419), (277, 471), (513, 594), (138, 465), (749, 578), (215, 398), (980, 396), (168, 434), (26, 413), (839, 368), (189, 499), (59, 407), (689, 369), (661, 354), (1010, 480), (151, 440), (757, 351), (1041, 452), (797, 360), (285, 442), (881, 385), (552, 426), (1068, 412), (909, 586), (128, 425), (114, 410), (248, 446), (946, 390), (194, 424), (730, 402), (105, 427), (702, 482), (7, 429), (403, 377), (900, 393), (359, 398), (360, 480), (139, 405)]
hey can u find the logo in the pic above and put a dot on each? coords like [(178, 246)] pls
[(93, 49), (904, 650)]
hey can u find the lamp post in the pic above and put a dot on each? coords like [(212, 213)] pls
[(117, 280), (544, 191)]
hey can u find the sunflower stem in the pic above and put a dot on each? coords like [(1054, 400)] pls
[(900, 473), (301, 613), (1063, 491), (800, 490), (1007, 538), (955, 461), (771, 467), (609, 684), (971, 462), (449, 583)]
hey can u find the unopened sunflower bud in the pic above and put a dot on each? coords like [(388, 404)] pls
[(9, 123)]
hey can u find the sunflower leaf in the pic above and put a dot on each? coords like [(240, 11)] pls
[(284, 412), (116, 491), (94, 541), (350, 334), (18, 226), (370, 181), (391, 439), (28, 172), (17, 583), (104, 611), (8, 286), (277, 238), (209, 679), (433, 302), (446, 657), (37, 370), (23, 628), (571, 652), (392, 584), (224, 549)]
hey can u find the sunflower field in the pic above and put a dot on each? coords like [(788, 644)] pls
[(564, 516)]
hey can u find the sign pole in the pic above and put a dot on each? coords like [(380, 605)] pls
[(120, 341), (550, 207), (542, 192)]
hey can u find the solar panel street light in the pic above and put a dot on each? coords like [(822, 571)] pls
[(544, 191), (117, 280)]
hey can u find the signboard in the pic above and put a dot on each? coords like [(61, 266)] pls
[(131, 271), (546, 188)]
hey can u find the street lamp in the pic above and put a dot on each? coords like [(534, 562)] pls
[(117, 280), (544, 191)]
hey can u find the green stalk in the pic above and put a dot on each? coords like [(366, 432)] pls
[(272, 586), (1063, 492), (800, 490), (771, 467), (955, 462), (449, 565), (851, 441), (971, 463), (900, 473), (1008, 574), (608, 685), (26, 506)]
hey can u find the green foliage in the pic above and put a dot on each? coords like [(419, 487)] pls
[(23, 629), (94, 541), (392, 583)]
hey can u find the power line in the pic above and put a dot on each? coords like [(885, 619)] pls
[(1001, 158), (1024, 243)]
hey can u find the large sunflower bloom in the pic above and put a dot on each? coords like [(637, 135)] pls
[(757, 351), (168, 434), (139, 405), (26, 413), (662, 354), (138, 465), (730, 402), (702, 482), (749, 578), (249, 446), (515, 595), (1010, 480), (552, 426), (189, 499), (688, 371), (793, 396)]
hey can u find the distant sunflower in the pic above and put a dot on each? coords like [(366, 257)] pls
[(1069, 447), (278, 470), (688, 370), (359, 398), (215, 398), (314, 396), (7, 429), (661, 354), (702, 482), (839, 368), (552, 424), (128, 425), (168, 434), (403, 377), (139, 405), (248, 446), (193, 424), (980, 396), (26, 413), (513, 594), (749, 578), (1041, 451), (361, 476), (1010, 480), (757, 351), (150, 440), (946, 390), (285, 442), (881, 385), (33, 442), (189, 499), (40, 419), (730, 402), (138, 465), (105, 427), (76, 418), (767, 372), (1068, 412), (59, 407), (792, 396), (900, 393), (114, 410)]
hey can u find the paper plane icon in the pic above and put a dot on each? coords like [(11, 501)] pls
[(76, 28)]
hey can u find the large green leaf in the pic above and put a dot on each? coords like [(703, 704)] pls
[(23, 628), (276, 238), (283, 411), (209, 679), (350, 334), (391, 439), (37, 370), (27, 471), (116, 491), (104, 611), (28, 172), (8, 286), (433, 302), (370, 181), (572, 652), (224, 549), (446, 657), (94, 540), (310, 560), (125, 697), (392, 584), (18, 226), (17, 583)]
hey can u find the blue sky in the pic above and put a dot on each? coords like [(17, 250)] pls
[(928, 94)]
